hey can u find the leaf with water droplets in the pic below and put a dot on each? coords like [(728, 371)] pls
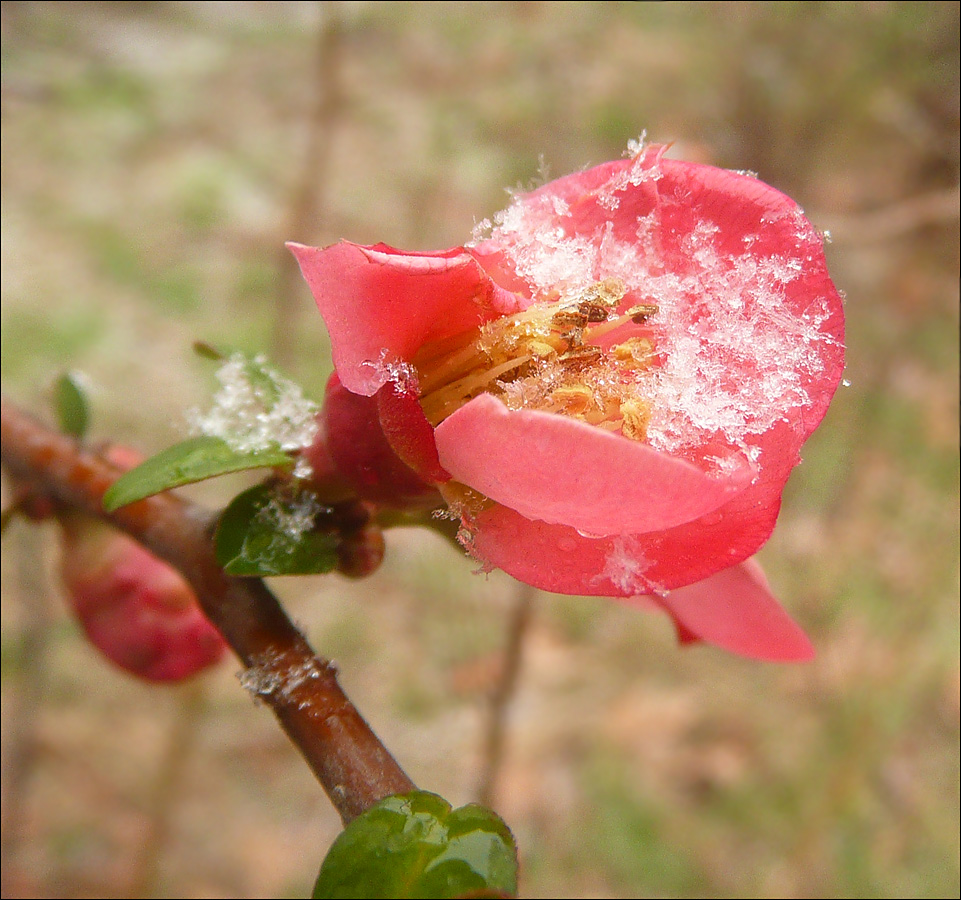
[(192, 460), (415, 845), (263, 533)]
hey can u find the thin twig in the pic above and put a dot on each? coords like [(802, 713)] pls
[(307, 201), (355, 769), (22, 744), (893, 222), (495, 732), (167, 788)]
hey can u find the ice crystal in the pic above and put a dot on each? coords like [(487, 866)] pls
[(625, 567), (293, 517), (272, 674), (393, 371), (257, 408), (734, 355)]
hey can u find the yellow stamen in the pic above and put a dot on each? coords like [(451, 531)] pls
[(545, 358)]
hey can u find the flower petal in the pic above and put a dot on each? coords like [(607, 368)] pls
[(750, 328), (735, 609), (362, 454), (409, 433), (559, 558), (563, 471), (381, 305)]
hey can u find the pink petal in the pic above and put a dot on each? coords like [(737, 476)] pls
[(559, 558), (382, 305), (409, 433), (731, 608), (362, 454), (563, 471), (751, 220), (734, 609)]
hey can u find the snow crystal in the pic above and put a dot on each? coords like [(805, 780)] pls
[(625, 567), (293, 517), (735, 355), (257, 408), (636, 146), (390, 370), (272, 674)]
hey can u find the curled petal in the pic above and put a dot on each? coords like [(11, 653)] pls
[(563, 471), (356, 442), (731, 262), (381, 305), (409, 433), (735, 609)]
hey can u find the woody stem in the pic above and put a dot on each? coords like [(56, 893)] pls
[(355, 769)]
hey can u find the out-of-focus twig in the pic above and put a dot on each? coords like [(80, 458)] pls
[(355, 769), (21, 745), (167, 788), (896, 220), (495, 732), (306, 205)]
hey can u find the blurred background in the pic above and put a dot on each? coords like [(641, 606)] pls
[(155, 158)]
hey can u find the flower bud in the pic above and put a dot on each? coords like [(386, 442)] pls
[(137, 610)]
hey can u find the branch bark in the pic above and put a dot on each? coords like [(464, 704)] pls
[(351, 763)]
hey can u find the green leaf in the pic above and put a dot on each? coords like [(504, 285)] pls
[(208, 351), (264, 533), (414, 845), (187, 462), (73, 412)]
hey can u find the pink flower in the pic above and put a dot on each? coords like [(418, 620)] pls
[(137, 610), (610, 390)]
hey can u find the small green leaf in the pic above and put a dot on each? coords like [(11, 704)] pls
[(414, 845), (208, 351), (263, 533), (73, 412), (187, 462)]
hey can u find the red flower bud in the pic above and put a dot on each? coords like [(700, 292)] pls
[(137, 610)]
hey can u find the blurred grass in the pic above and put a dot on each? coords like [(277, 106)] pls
[(152, 154)]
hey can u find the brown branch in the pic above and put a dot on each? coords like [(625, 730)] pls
[(355, 769)]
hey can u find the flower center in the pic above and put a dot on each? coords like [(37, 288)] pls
[(575, 356)]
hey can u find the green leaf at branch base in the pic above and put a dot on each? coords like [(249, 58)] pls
[(262, 533), (415, 845), (192, 460), (73, 411)]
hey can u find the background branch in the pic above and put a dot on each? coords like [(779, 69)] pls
[(355, 769)]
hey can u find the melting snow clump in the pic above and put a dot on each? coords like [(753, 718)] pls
[(736, 347), (293, 517), (257, 408), (272, 675)]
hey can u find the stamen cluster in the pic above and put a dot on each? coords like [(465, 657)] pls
[(555, 356)]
